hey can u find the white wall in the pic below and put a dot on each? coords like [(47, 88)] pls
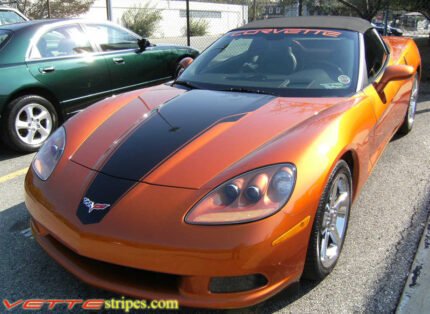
[(172, 24)]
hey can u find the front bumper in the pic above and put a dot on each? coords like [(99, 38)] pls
[(175, 260)]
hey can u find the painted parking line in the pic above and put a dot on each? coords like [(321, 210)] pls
[(13, 175)]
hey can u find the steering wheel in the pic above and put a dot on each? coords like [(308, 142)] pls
[(249, 67)]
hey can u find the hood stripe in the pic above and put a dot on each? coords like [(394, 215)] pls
[(164, 132)]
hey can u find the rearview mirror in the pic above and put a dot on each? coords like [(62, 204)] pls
[(143, 44), (394, 73)]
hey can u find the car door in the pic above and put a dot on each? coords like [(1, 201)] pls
[(129, 66), (385, 108), (63, 60)]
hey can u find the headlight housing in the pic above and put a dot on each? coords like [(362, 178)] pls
[(49, 154), (248, 197)]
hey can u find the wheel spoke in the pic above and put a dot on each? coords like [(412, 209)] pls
[(29, 111), (42, 115), (21, 124), (30, 136), (324, 244), (333, 192), (334, 235), (341, 203), (43, 132)]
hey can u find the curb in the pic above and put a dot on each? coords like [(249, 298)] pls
[(415, 297)]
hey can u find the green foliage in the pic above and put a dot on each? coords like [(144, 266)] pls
[(198, 27), (366, 9), (38, 9), (142, 20)]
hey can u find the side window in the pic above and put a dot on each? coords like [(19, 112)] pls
[(375, 54), (111, 38), (62, 42), (10, 17)]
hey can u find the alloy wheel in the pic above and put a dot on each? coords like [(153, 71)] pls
[(335, 220), (413, 102), (33, 124)]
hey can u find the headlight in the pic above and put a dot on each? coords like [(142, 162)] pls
[(49, 154), (248, 197)]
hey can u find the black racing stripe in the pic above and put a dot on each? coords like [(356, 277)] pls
[(176, 123), (173, 125), (106, 190)]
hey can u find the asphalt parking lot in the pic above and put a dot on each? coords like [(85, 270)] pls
[(386, 223)]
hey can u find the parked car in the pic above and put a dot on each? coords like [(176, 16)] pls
[(236, 180), (11, 16), (391, 30), (52, 69)]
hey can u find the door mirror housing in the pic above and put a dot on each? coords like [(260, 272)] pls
[(143, 43), (394, 73), (185, 63)]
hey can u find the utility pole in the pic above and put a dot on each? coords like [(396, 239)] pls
[(109, 9), (255, 10), (300, 8), (386, 20), (49, 8), (188, 23)]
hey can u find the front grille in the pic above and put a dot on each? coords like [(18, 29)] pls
[(137, 278)]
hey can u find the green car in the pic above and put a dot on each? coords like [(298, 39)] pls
[(52, 69)]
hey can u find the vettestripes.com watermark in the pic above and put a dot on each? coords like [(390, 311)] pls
[(122, 304)]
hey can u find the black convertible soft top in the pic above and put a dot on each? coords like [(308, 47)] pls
[(330, 22)]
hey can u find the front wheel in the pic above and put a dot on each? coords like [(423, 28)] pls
[(408, 122), (330, 224), (28, 122)]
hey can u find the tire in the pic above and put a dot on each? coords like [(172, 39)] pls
[(28, 122), (409, 119), (318, 264)]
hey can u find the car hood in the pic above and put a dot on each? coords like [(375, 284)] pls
[(190, 137)]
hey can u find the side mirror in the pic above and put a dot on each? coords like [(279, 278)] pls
[(183, 64), (143, 44), (394, 73)]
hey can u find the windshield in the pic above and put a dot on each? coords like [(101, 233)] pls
[(3, 36), (10, 17), (286, 62)]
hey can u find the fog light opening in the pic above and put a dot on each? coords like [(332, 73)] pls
[(237, 283)]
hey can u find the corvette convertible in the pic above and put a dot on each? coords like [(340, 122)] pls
[(237, 179)]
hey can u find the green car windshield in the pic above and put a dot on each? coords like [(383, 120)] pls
[(3, 36), (285, 62)]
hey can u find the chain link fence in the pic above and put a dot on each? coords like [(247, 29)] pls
[(198, 23)]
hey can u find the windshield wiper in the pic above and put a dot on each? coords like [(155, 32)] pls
[(186, 84), (247, 90)]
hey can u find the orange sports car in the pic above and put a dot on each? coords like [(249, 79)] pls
[(225, 186)]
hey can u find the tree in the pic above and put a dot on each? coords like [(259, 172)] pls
[(327, 7), (38, 9), (366, 9), (197, 27), (142, 20)]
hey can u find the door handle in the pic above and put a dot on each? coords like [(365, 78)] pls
[(118, 60), (47, 69)]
